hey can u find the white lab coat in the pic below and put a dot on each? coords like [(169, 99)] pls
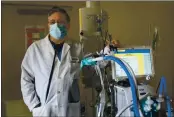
[(36, 67)]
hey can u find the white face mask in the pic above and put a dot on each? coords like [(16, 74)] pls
[(58, 31)]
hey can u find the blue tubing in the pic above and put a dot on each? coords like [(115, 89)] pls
[(162, 88), (169, 107), (132, 84)]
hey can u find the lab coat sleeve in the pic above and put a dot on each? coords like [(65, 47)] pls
[(27, 81), (75, 53)]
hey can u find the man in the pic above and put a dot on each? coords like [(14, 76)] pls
[(50, 71)]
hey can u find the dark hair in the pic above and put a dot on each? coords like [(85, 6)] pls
[(61, 10)]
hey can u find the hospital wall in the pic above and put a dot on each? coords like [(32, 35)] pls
[(133, 23), (130, 22)]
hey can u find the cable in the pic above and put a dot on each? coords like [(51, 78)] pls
[(131, 71), (100, 109), (157, 87), (127, 106), (130, 77), (124, 109), (99, 72), (105, 42), (133, 76), (132, 84)]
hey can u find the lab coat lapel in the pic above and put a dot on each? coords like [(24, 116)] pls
[(65, 50), (49, 53), (65, 58)]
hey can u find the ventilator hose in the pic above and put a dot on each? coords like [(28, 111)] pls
[(164, 87), (132, 84)]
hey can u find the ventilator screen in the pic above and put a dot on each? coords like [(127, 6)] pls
[(139, 59)]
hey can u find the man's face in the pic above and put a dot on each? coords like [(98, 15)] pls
[(58, 18)]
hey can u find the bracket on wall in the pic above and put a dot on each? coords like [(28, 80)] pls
[(32, 11), (39, 9)]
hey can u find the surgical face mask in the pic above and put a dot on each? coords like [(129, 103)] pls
[(58, 31)]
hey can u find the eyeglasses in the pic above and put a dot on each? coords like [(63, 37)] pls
[(54, 21)]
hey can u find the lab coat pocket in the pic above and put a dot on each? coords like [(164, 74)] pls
[(74, 109), (37, 112)]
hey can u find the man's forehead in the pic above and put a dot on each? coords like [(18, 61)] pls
[(57, 16)]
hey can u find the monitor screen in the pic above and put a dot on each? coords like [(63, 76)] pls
[(139, 59)]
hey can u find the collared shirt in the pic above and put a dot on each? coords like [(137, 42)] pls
[(58, 48)]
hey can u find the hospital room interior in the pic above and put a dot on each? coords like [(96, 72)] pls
[(138, 79)]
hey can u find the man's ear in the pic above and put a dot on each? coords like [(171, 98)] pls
[(68, 26), (48, 26)]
